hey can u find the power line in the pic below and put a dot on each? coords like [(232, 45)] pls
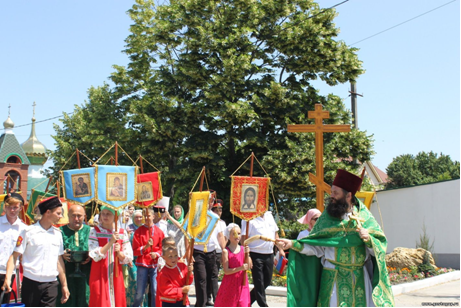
[(49, 119), (403, 22), (324, 10)]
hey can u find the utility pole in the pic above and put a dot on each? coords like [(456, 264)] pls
[(354, 94), (355, 121)]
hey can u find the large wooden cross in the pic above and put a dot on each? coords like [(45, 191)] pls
[(319, 128)]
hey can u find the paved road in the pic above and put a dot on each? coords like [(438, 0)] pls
[(444, 295)]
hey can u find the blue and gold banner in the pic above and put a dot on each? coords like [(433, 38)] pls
[(203, 237), (115, 185), (79, 185)]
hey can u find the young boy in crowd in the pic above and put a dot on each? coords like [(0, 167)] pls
[(173, 275)]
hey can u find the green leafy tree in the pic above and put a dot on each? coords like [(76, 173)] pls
[(209, 82), (407, 170)]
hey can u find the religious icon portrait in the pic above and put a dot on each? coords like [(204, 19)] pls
[(116, 185), (65, 213), (145, 191), (81, 185), (198, 212), (249, 198), (201, 234)]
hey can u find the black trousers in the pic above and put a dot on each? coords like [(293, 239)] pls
[(6, 297), (209, 283), (39, 294), (263, 265), (204, 267)]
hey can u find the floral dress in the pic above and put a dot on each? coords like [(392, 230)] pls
[(231, 292)]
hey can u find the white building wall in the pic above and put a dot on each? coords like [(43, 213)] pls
[(437, 206)]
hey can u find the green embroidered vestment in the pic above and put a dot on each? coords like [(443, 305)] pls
[(309, 284)]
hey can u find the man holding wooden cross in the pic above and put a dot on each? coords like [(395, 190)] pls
[(345, 251)]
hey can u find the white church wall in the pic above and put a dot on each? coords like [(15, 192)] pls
[(437, 206)]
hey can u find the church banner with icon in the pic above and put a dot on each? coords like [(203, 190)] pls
[(115, 185), (79, 185), (65, 211), (366, 197), (198, 206), (203, 237), (249, 196), (148, 189), (35, 197)]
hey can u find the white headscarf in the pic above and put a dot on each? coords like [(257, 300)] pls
[(229, 229), (136, 212)]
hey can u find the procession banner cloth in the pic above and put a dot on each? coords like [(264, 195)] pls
[(304, 272), (23, 215), (35, 197), (366, 197), (198, 206), (249, 196), (79, 185), (203, 237), (65, 210), (2, 197), (149, 189), (115, 185)]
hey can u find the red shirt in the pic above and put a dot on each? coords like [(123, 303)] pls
[(140, 239), (172, 281)]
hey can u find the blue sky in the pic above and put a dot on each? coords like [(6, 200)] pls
[(53, 51)]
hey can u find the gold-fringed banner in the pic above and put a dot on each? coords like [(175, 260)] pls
[(366, 197), (149, 189), (197, 218), (249, 196)]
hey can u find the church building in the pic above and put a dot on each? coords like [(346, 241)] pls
[(21, 165)]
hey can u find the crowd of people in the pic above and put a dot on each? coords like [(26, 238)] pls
[(142, 259)]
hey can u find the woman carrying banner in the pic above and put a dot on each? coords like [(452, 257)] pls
[(107, 247)]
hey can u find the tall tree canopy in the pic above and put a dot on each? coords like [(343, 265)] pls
[(407, 170), (209, 82)]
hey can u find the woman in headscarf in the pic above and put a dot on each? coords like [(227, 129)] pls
[(174, 229), (309, 219)]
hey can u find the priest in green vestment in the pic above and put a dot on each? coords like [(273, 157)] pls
[(75, 238), (342, 261)]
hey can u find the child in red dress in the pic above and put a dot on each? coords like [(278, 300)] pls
[(233, 292), (172, 286)]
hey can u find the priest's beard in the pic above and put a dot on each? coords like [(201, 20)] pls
[(337, 207)]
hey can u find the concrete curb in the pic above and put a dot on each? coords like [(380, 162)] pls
[(425, 283), (396, 289)]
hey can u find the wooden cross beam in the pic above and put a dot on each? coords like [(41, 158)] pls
[(319, 128)]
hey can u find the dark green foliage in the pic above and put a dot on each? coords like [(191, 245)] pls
[(426, 267), (292, 228), (209, 82), (407, 170)]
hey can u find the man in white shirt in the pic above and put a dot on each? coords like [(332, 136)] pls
[(10, 228), (41, 248), (262, 254), (213, 281), (205, 270)]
